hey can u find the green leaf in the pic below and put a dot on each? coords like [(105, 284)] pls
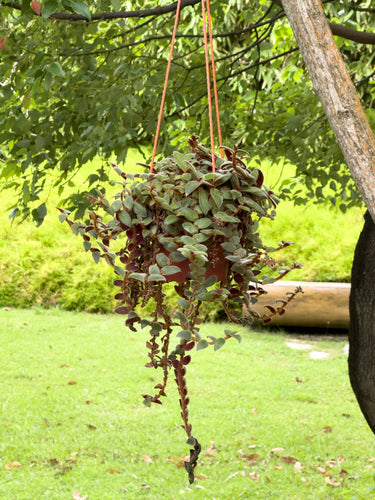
[(140, 210), (120, 271), (24, 143), (156, 277), (181, 160), (96, 256), (39, 214), (138, 276), (210, 176), (183, 303), (162, 260), (144, 323), (80, 8), (147, 221), (177, 257), (129, 202), (49, 7), (187, 240), (228, 247), (258, 192), (202, 344), (208, 296), (233, 258), (162, 202), (15, 211), (62, 217), (185, 334), (147, 401), (168, 244), (188, 213), (156, 328), (191, 186), (216, 196), (210, 281), (222, 179), (181, 317), (116, 205), (191, 441), (168, 270), (189, 227), (203, 200), (267, 280), (133, 315), (55, 69), (170, 219), (201, 238), (219, 343), (254, 205), (87, 245), (203, 223), (125, 218), (227, 218)]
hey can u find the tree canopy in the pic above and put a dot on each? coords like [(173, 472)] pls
[(84, 80)]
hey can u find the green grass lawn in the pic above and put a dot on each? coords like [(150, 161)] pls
[(273, 422)]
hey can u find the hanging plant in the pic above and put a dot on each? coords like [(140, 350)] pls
[(187, 224)]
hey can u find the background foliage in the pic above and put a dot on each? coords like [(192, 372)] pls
[(73, 91)]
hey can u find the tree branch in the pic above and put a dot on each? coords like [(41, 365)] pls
[(364, 80), (157, 11), (352, 34), (362, 9), (229, 34), (347, 33), (337, 29)]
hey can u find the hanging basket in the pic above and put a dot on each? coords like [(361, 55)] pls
[(218, 264), (188, 224)]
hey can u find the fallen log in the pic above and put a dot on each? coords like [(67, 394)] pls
[(322, 305)]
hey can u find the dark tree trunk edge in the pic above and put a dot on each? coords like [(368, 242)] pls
[(362, 322)]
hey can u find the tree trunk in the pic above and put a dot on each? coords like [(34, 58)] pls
[(336, 92), (362, 322), (341, 104)]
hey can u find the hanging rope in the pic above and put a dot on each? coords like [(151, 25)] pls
[(165, 86), (208, 81), (213, 79)]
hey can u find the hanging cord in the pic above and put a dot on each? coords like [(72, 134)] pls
[(165, 86), (208, 80), (207, 58), (214, 78)]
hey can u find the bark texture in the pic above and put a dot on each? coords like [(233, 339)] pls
[(336, 92), (362, 322)]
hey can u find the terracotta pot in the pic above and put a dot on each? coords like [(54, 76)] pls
[(218, 265)]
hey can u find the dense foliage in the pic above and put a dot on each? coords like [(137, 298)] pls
[(72, 90)]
